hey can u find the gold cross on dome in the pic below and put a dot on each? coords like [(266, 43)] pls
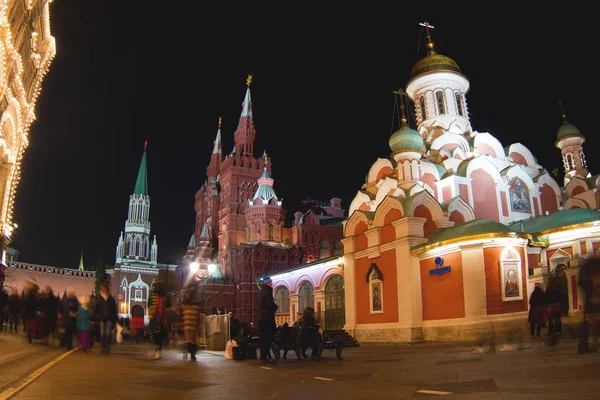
[(430, 45)]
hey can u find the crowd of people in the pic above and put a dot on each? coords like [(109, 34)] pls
[(44, 316)]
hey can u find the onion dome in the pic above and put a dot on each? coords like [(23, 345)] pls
[(433, 62), (567, 129), (406, 139)]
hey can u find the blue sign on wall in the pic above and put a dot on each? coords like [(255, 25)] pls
[(439, 269)]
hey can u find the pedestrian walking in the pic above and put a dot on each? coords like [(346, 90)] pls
[(537, 307), (106, 315), (266, 318), (157, 313), (84, 326), (191, 322), (554, 311), (589, 281)]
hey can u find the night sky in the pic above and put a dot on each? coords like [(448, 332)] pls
[(130, 71)]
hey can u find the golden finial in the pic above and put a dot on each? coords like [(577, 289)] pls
[(249, 80), (562, 111), (401, 93), (220, 120), (265, 156), (430, 45)]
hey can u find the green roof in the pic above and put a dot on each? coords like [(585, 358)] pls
[(567, 129), (141, 184), (556, 219), (477, 226), (217, 274)]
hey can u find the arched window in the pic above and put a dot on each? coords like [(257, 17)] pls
[(305, 296), (422, 106), (282, 299), (338, 249), (459, 104), (324, 251), (271, 232), (439, 98)]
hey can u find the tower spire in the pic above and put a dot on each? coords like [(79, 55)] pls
[(81, 267), (214, 167), (245, 133), (141, 183), (217, 144)]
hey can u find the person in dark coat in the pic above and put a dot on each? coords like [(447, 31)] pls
[(14, 312), (589, 281), (266, 318), (537, 307), (554, 309), (106, 314)]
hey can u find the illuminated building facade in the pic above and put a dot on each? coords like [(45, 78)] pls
[(136, 267), (27, 48), (244, 230), (448, 236)]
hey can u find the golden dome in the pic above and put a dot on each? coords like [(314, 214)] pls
[(433, 62)]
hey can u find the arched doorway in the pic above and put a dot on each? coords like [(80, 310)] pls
[(305, 296), (137, 311), (335, 312)]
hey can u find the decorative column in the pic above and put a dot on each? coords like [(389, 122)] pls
[(319, 299), (293, 308)]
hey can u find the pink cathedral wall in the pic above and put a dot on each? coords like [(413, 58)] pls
[(484, 195), (493, 283), (386, 263), (443, 296), (548, 197)]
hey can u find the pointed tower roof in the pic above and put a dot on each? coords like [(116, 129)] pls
[(217, 274), (141, 184), (247, 104), (192, 243), (81, 267), (265, 189), (217, 144), (204, 234)]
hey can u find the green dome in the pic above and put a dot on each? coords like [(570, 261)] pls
[(405, 138), (567, 129)]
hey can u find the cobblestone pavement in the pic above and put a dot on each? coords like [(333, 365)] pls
[(530, 370)]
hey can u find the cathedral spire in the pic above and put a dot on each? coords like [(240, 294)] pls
[(216, 158), (141, 184), (217, 144), (245, 132)]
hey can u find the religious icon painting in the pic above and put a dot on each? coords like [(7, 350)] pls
[(519, 196), (511, 275), (376, 305)]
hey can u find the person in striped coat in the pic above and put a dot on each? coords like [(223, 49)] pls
[(157, 313), (191, 322)]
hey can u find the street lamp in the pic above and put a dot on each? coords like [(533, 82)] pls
[(212, 267), (194, 266)]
